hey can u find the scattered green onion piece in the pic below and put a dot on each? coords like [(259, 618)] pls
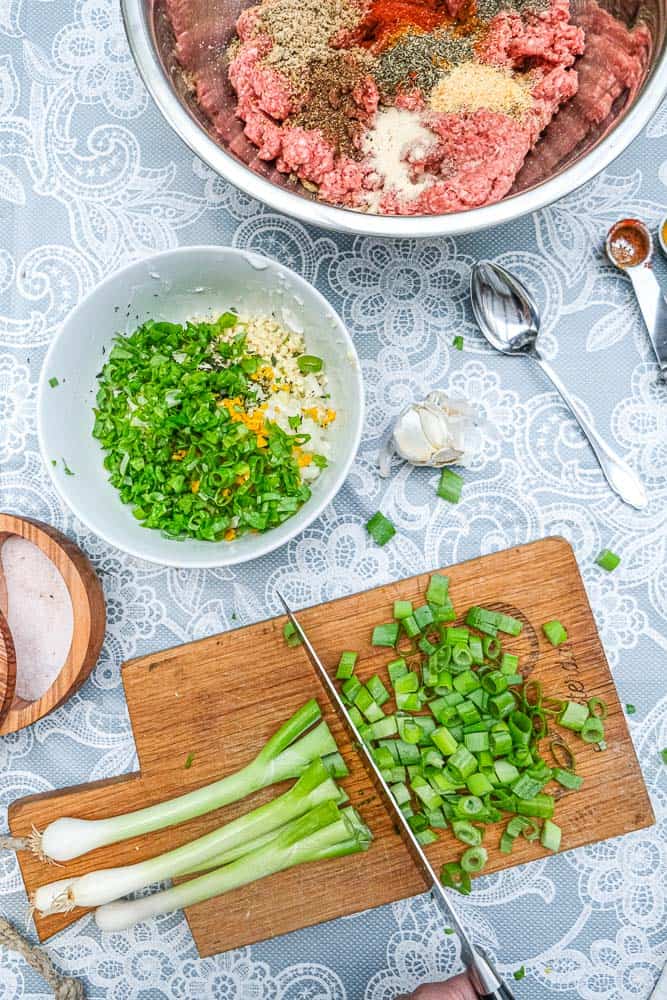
[(437, 591), (346, 665), (309, 363), (509, 663), (426, 647), (476, 742), (506, 772), (397, 668), (351, 688), (474, 859), (189, 760), (408, 702), (380, 528), (385, 635), (466, 832), (452, 876), (53, 382), (410, 626), (402, 609), (356, 716), (378, 690), (573, 716), (608, 560), (476, 649), (407, 683), (444, 741), (521, 728), (598, 708), (551, 836), (506, 843), (495, 682), (462, 658), (567, 760), (519, 974), (492, 648), (423, 616), (568, 779), (478, 784), (457, 342), (462, 763), (663, 754), (290, 634), (555, 632), (540, 805), (449, 486), (592, 730), (630, 709), (502, 705)]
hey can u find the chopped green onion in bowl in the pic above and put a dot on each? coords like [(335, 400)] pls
[(213, 429)]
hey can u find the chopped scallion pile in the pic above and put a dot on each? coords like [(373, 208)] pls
[(181, 414), (462, 747)]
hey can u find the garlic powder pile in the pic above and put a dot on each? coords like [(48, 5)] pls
[(472, 86), (398, 133)]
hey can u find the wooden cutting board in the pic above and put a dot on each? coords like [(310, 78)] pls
[(220, 698)]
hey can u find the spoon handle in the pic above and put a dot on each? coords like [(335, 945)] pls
[(618, 473), (654, 310)]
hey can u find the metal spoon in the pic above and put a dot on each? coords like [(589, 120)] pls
[(508, 318), (629, 247)]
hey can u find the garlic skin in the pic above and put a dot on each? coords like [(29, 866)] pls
[(438, 431)]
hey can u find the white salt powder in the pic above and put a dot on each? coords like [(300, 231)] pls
[(397, 135), (39, 614)]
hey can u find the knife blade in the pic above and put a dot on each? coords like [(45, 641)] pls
[(483, 976)]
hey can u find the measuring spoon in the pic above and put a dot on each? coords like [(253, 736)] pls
[(629, 247), (510, 321)]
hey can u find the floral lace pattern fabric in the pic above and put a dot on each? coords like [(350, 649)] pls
[(91, 177)]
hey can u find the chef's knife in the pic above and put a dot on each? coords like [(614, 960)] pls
[(481, 972)]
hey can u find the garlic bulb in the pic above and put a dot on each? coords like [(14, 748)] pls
[(437, 431)]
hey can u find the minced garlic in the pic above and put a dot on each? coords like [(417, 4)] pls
[(472, 86)]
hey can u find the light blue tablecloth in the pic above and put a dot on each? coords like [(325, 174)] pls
[(90, 176)]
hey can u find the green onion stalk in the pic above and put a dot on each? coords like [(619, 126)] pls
[(322, 833), (286, 755), (219, 847)]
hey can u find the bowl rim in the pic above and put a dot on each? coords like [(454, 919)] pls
[(316, 506), (347, 220)]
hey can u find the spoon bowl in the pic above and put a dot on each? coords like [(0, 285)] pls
[(504, 309), (509, 319)]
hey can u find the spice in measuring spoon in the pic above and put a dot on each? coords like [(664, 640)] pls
[(629, 243)]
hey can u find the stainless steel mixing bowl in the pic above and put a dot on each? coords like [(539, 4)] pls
[(546, 176)]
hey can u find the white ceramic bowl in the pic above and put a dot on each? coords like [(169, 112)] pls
[(177, 285)]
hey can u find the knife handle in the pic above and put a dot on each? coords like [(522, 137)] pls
[(487, 981)]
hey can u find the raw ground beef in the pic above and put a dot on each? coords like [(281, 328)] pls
[(475, 156)]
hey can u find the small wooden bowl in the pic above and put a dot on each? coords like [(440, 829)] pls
[(88, 624)]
